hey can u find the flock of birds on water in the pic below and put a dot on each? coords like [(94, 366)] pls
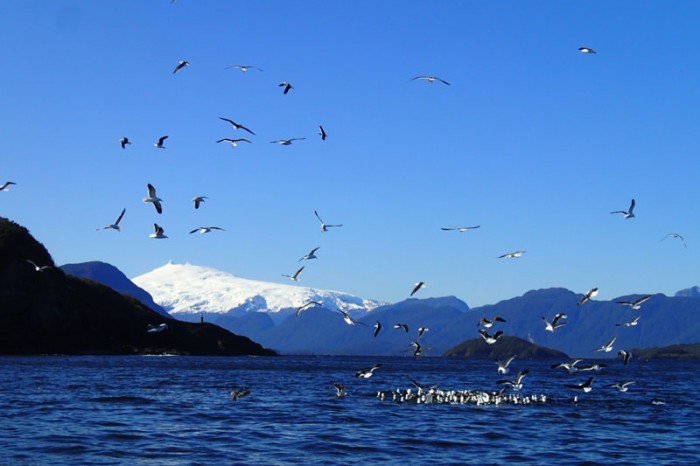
[(422, 394)]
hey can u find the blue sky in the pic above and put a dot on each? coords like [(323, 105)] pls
[(532, 140)]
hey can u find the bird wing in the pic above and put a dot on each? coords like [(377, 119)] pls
[(158, 207), (151, 190), (632, 204), (119, 219)]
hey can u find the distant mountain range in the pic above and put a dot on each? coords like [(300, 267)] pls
[(265, 312)]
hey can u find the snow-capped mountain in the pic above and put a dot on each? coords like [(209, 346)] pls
[(186, 291)]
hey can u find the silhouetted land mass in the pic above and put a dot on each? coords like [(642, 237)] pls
[(689, 352), (48, 312), (504, 347)]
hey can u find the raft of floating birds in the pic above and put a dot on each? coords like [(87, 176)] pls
[(461, 397)]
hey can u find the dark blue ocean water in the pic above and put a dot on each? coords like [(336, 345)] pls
[(139, 410)]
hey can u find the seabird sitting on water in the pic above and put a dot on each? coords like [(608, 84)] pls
[(153, 199), (203, 230), (287, 87), (555, 322), (430, 79), (367, 373), (586, 386), (621, 386), (586, 50), (461, 229), (629, 213), (198, 200), (417, 287), (592, 293), (404, 327), (310, 255), (160, 143), (236, 125), (607, 347), (306, 306), (637, 303), (238, 394), (490, 339), (489, 323), (517, 383), (180, 66), (158, 232), (115, 225), (6, 186), (322, 133), (157, 328), (677, 236), (503, 366), (512, 255), (377, 328), (325, 227), (295, 276), (124, 141)]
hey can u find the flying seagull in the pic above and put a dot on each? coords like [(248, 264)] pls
[(310, 255), (592, 293), (322, 133), (6, 186), (236, 125), (625, 355), (158, 232), (637, 303), (586, 50), (39, 268), (677, 236), (157, 328), (430, 79), (115, 225), (286, 142), (421, 331), (367, 373), (286, 85), (294, 277), (516, 384), (489, 323), (417, 287), (555, 322), (203, 230), (631, 323), (503, 366), (586, 386), (161, 141), (198, 200), (325, 227), (490, 339), (461, 229), (306, 306), (629, 213), (233, 142), (512, 255), (404, 327), (621, 386), (608, 346), (152, 198), (238, 394), (339, 390), (377, 328), (348, 320), (569, 366), (124, 141), (180, 66), (244, 68), (418, 348)]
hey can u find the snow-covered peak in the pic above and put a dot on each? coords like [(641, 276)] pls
[(193, 289)]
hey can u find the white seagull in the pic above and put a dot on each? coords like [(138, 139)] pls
[(115, 225), (238, 394), (676, 236), (123, 142), (295, 276), (417, 287), (153, 199), (377, 328), (348, 320), (489, 323), (198, 200), (160, 143), (181, 65), (551, 327), (490, 339), (629, 213), (287, 87), (569, 366), (367, 373), (631, 323), (592, 293), (39, 268), (244, 68), (430, 79), (512, 255), (503, 366), (158, 232), (233, 142), (421, 331), (621, 386), (203, 230), (236, 125), (586, 386), (157, 328), (461, 229), (6, 186), (339, 390), (325, 227), (625, 355), (310, 255), (306, 306), (286, 142), (404, 327), (418, 348), (607, 347), (637, 303), (586, 50), (516, 384)]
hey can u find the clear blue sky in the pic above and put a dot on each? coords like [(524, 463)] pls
[(533, 140)]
